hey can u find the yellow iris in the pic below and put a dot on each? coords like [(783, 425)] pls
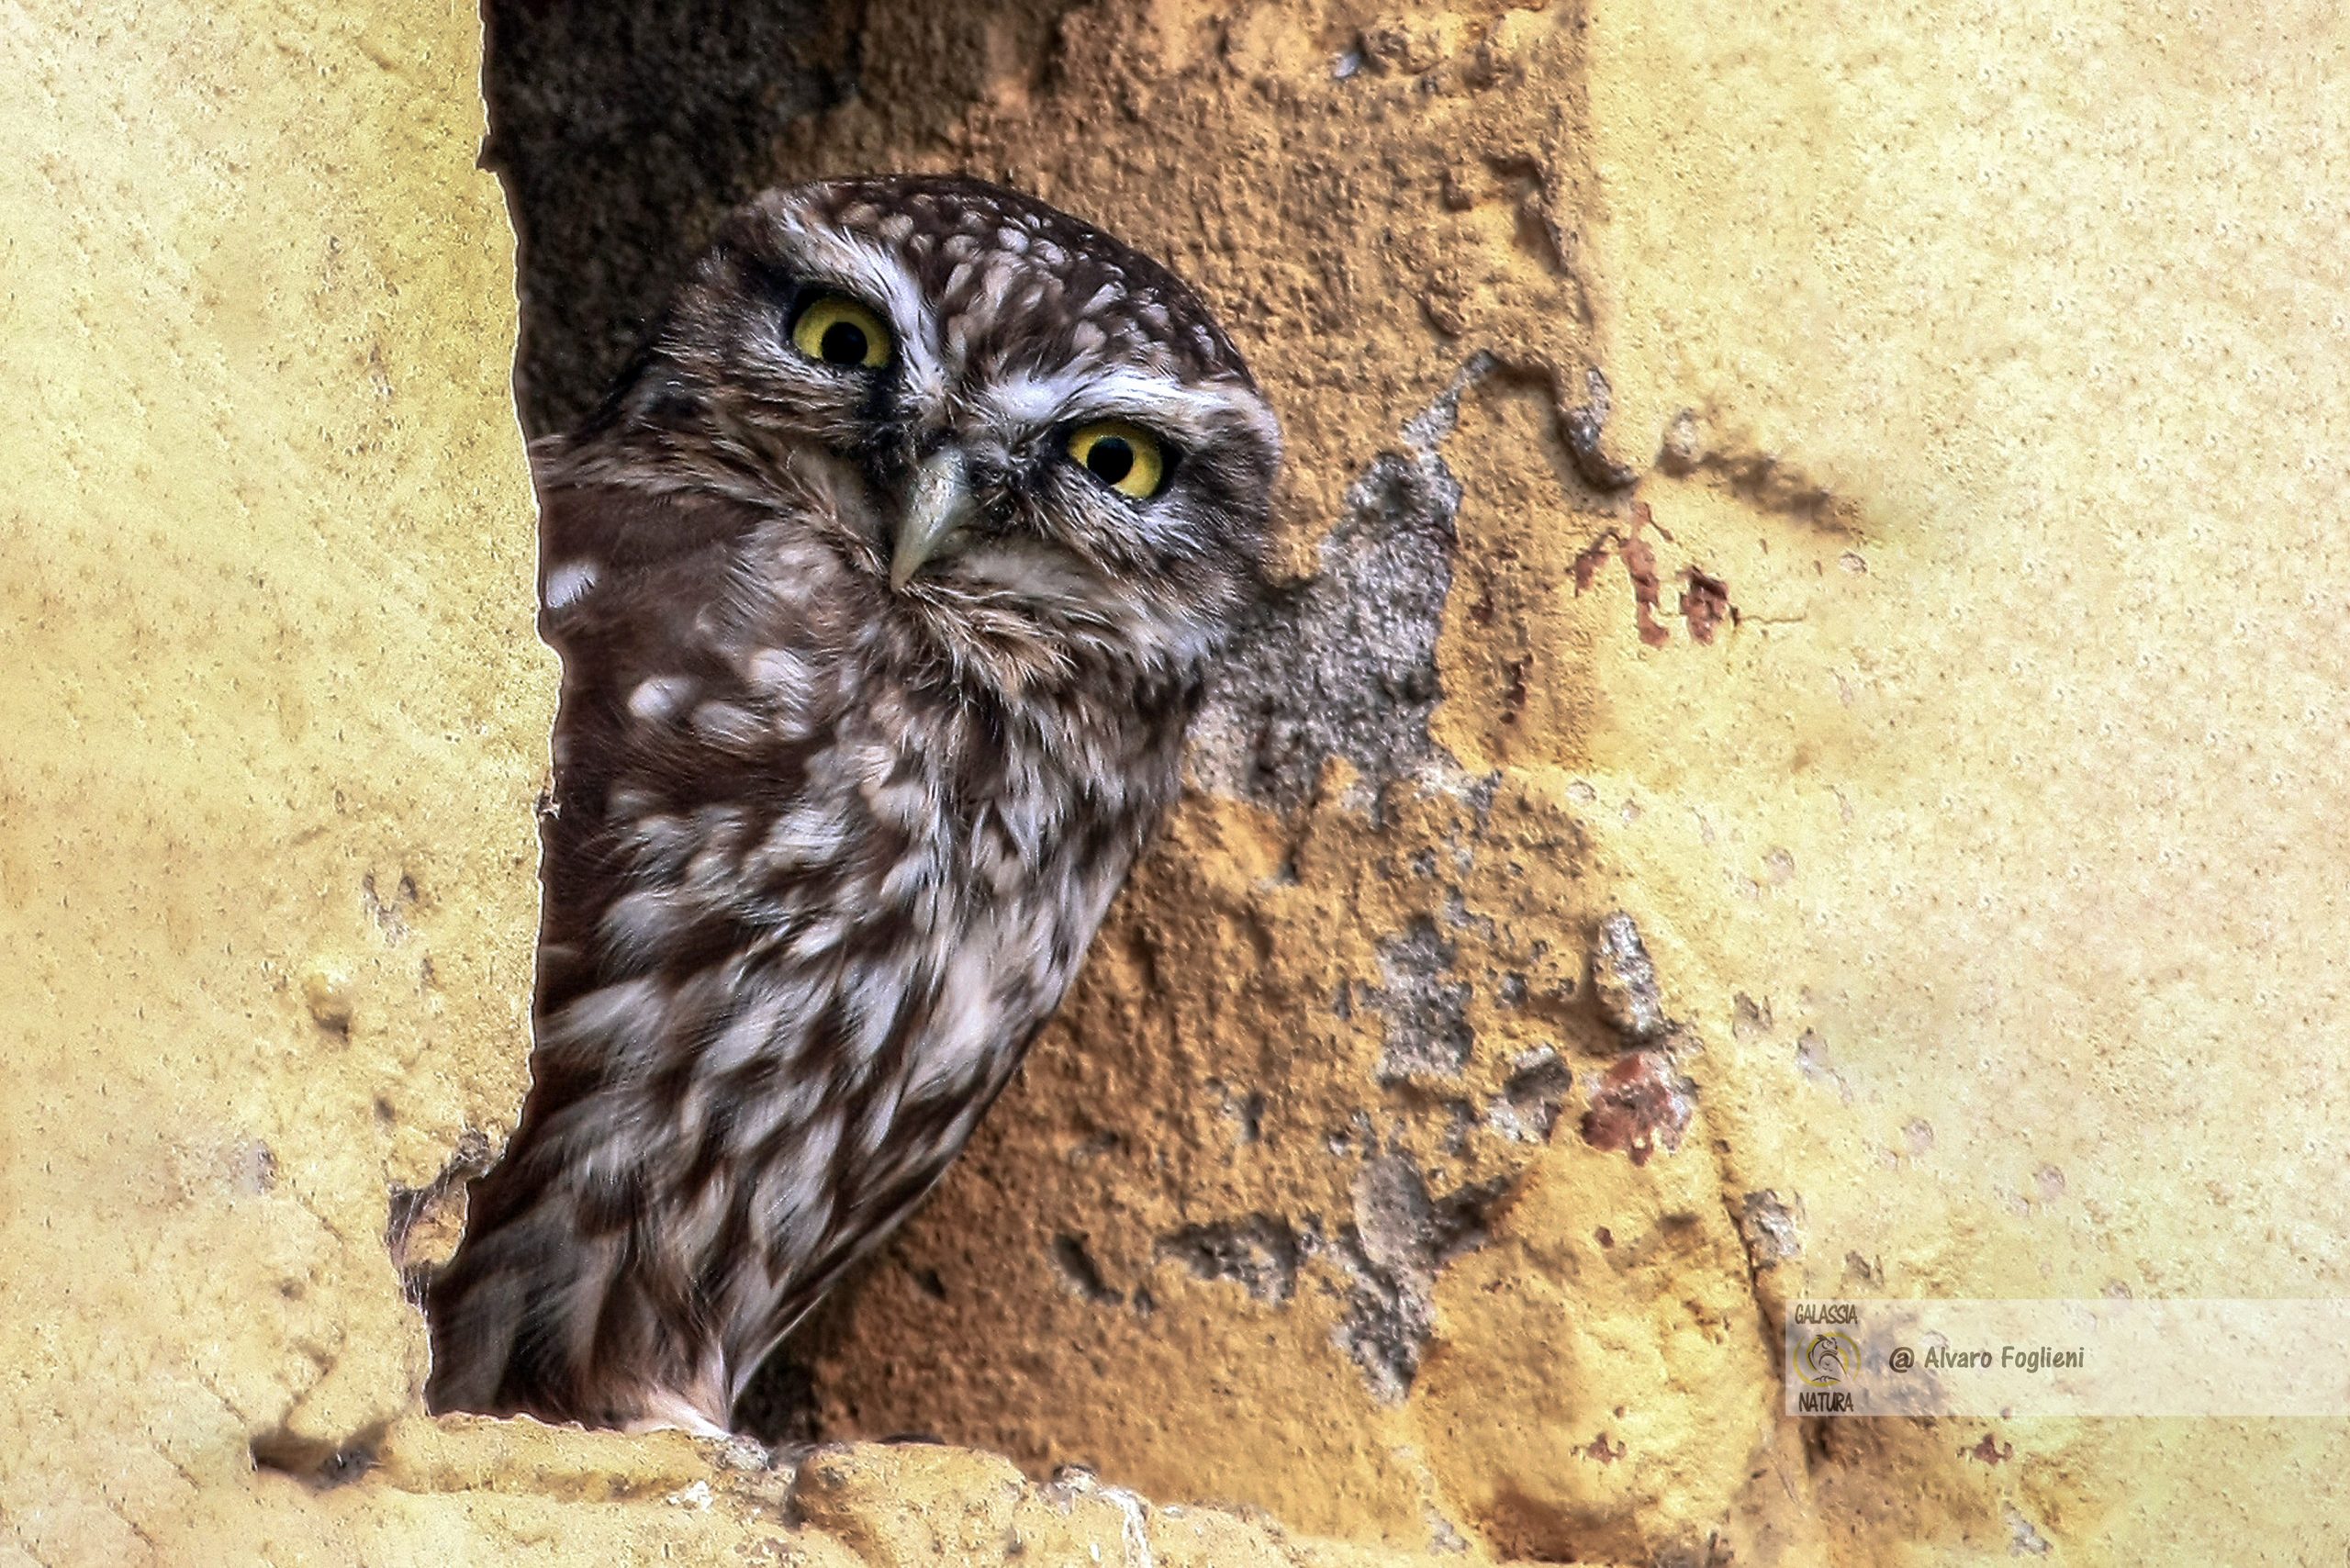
[(838, 331), (1126, 457)]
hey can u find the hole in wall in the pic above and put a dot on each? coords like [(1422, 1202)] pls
[(619, 137), (619, 134)]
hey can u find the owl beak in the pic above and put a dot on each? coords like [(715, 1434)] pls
[(938, 504)]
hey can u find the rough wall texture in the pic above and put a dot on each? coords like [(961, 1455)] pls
[(276, 721), (1794, 759), (1855, 495)]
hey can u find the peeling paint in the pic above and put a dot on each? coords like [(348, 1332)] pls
[(1259, 1253), (1342, 666), (1638, 1106), (1624, 983)]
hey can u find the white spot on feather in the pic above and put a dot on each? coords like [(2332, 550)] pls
[(631, 1008), (789, 1192), (809, 834), (568, 581), (634, 923), (778, 669), (872, 1001), (910, 878), (728, 724), (966, 1027), (660, 697)]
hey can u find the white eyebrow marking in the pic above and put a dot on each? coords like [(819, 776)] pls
[(1085, 389), (858, 266)]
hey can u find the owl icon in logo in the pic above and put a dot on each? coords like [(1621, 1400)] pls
[(1829, 1360)]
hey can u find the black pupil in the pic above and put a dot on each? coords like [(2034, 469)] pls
[(1110, 459), (843, 343)]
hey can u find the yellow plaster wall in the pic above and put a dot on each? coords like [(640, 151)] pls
[(1990, 853), (275, 723), (1988, 856), (2049, 302)]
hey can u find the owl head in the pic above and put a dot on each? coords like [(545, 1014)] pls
[(1032, 441)]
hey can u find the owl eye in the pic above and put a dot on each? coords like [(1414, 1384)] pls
[(832, 330), (1126, 457)]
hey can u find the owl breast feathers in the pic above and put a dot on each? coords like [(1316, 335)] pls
[(885, 584)]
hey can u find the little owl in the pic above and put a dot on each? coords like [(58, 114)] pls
[(885, 585)]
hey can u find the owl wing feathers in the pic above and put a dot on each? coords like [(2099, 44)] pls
[(743, 967), (571, 1259), (827, 841)]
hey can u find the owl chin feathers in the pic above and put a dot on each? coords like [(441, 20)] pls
[(885, 585)]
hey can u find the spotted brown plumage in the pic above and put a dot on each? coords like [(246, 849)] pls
[(885, 585)]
